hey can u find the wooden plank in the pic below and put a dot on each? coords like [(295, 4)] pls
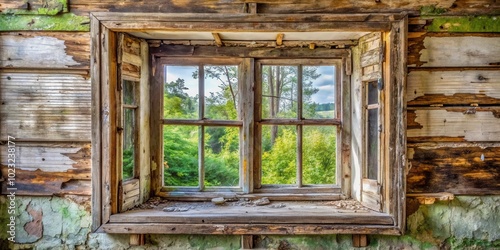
[(246, 112), (469, 169), (45, 50), (97, 170), (471, 124), (357, 110), (454, 87), (466, 51), (242, 229), (212, 51), (359, 240), (371, 57), (144, 126), (49, 169), (238, 214), (45, 106), (460, 7), (218, 40), (247, 241), (261, 44)]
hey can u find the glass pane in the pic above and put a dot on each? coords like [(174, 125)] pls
[(222, 156), (279, 154), (180, 97), (279, 91), (372, 93), (319, 154), (129, 92), (373, 144), (221, 92), (180, 150), (318, 96), (128, 160)]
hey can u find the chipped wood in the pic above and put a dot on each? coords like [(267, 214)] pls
[(454, 87), (45, 50), (464, 169), (430, 198), (469, 123), (279, 39), (218, 40), (260, 44)]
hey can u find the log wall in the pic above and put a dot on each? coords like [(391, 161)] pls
[(453, 87)]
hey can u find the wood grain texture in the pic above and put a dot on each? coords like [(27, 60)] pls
[(45, 106), (465, 51), (454, 87), (453, 7), (50, 169), (461, 170), (449, 124), (45, 50)]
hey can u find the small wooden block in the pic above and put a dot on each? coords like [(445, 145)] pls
[(137, 239), (359, 240), (246, 241)]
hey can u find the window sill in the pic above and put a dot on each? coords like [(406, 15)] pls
[(276, 218)]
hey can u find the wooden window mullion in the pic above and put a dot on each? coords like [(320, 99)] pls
[(299, 127)]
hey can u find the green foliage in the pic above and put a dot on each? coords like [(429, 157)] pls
[(128, 163), (221, 144)]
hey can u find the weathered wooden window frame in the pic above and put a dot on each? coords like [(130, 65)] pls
[(104, 30)]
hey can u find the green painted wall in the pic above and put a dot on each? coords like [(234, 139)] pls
[(468, 222)]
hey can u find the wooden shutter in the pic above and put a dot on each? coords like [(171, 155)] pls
[(133, 68), (367, 72)]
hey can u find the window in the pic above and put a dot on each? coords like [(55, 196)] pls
[(248, 116)]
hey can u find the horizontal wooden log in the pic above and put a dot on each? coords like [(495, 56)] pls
[(241, 229), (453, 7), (465, 51), (34, 7), (45, 106), (264, 214), (454, 87), (212, 51), (48, 169), (472, 124), (462, 170), (45, 50)]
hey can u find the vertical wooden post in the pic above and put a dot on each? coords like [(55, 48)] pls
[(359, 240), (137, 239), (247, 242)]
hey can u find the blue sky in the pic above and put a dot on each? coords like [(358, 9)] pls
[(325, 83)]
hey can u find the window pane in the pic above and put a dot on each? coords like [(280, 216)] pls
[(221, 92), (128, 160), (318, 96), (129, 92), (319, 154), (222, 156), (180, 147), (373, 144), (279, 91), (180, 98), (279, 154), (372, 93)]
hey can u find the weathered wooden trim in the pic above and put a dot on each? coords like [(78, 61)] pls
[(340, 44), (282, 121), (245, 229), (247, 241), (245, 18), (241, 52), (246, 112), (144, 126), (97, 169), (359, 240)]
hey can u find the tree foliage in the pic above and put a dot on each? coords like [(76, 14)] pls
[(221, 144)]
